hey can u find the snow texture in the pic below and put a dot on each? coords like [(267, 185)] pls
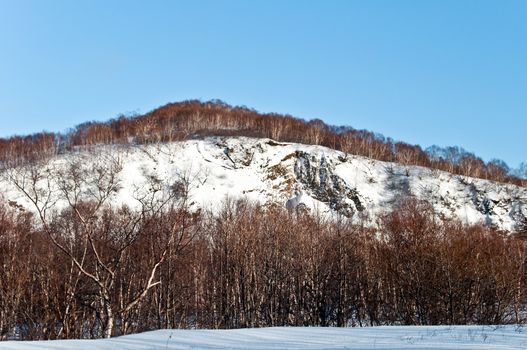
[(395, 338), (301, 177)]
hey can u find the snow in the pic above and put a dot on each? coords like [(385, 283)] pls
[(268, 172), (399, 337)]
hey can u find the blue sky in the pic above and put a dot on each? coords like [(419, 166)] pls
[(426, 72)]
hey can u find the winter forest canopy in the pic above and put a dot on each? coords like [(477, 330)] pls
[(191, 119)]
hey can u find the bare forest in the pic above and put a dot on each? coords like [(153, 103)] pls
[(91, 273), (194, 119)]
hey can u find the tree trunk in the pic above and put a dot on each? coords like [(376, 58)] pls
[(109, 322)]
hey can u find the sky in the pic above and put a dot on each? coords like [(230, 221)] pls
[(425, 72)]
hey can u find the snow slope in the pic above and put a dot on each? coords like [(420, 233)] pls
[(296, 176), (403, 337)]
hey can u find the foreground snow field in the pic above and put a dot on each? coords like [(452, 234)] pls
[(403, 337)]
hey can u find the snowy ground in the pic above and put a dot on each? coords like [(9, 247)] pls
[(264, 171), (404, 337)]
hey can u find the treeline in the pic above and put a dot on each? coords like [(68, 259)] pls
[(249, 266), (190, 119)]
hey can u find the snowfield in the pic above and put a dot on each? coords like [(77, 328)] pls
[(313, 177), (402, 337)]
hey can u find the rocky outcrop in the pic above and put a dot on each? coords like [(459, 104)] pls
[(314, 175)]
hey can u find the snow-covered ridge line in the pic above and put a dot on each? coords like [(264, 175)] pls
[(401, 337), (298, 176)]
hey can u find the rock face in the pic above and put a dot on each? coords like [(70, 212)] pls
[(314, 175), (300, 177)]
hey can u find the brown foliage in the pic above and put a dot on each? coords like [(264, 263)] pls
[(250, 266), (177, 121)]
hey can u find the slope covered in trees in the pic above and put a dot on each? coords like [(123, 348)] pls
[(191, 119)]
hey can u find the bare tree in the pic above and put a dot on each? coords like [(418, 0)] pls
[(80, 230)]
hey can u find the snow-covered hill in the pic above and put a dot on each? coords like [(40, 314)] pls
[(294, 175), (405, 337)]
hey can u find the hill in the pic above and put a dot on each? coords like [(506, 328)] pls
[(191, 217)]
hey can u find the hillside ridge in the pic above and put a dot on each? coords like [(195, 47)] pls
[(195, 119)]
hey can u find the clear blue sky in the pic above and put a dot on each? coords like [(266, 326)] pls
[(426, 72)]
